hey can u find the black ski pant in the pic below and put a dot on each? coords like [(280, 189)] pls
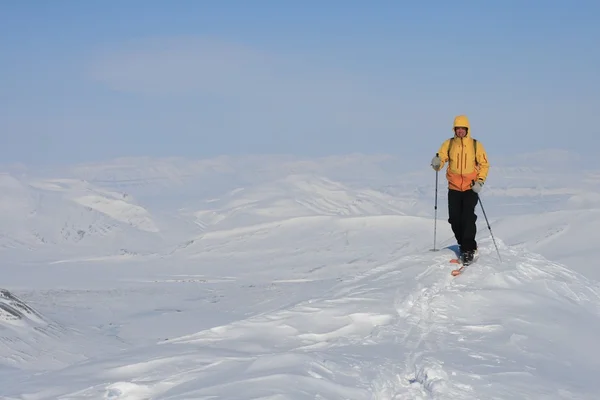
[(462, 217)]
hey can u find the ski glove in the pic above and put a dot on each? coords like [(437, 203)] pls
[(477, 186), (436, 163)]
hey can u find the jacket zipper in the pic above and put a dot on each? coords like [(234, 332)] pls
[(462, 152)]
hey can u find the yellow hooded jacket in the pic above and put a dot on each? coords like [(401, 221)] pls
[(462, 166)]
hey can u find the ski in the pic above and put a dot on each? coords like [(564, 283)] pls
[(458, 271)]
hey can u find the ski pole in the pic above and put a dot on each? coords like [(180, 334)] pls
[(435, 208), (490, 229)]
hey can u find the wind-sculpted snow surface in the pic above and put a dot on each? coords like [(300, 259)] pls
[(522, 329)]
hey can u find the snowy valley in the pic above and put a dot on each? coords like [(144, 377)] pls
[(288, 278)]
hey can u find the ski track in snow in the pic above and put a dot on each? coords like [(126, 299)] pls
[(452, 316)]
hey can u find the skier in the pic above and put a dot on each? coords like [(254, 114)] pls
[(466, 173)]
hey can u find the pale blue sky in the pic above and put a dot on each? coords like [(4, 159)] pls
[(91, 80)]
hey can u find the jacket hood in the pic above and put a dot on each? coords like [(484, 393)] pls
[(462, 121)]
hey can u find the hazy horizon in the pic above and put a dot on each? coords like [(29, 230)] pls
[(86, 83)]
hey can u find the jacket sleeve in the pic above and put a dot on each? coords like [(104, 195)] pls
[(482, 160), (443, 152)]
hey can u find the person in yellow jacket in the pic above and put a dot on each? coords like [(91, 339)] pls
[(467, 171)]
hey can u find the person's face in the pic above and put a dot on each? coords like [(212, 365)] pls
[(460, 131)]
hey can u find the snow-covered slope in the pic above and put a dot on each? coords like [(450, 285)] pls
[(565, 236), (402, 329), (44, 218), (115, 205), (291, 197), (305, 284), (27, 338), (32, 341)]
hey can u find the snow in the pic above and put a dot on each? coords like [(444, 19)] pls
[(295, 279)]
